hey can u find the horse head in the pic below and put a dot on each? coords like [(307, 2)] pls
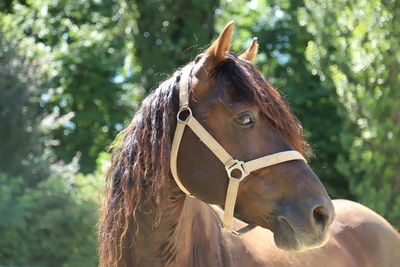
[(250, 119)]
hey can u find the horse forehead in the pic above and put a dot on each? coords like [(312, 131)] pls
[(204, 82), (222, 103)]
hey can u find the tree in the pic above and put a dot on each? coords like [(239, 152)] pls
[(96, 81), (84, 41), (48, 215), (50, 225), (356, 48), (6, 6), (23, 149), (170, 39)]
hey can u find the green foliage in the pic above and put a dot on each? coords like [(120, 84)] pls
[(51, 225), (86, 55), (6, 6), (165, 41), (283, 40), (356, 48), (22, 150)]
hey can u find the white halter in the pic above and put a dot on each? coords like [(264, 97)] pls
[(185, 118)]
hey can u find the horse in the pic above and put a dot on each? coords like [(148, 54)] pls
[(213, 140)]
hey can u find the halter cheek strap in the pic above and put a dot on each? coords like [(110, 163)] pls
[(236, 170)]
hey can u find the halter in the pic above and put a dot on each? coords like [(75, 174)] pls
[(233, 166)]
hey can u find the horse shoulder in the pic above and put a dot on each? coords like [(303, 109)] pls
[(367, 236)]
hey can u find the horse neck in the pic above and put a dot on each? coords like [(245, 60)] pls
[(187, 234)]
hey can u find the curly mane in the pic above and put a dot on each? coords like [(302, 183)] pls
[(139, 168)]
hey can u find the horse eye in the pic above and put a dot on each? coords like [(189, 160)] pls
[(245, 120)]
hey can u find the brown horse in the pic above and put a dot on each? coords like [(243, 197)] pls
[(147, 220)]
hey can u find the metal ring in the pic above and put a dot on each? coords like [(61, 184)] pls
[(181, 110), (238, 165)]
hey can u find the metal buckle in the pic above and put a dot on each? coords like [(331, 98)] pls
[(242, 230), (181, 111), (237, 165)]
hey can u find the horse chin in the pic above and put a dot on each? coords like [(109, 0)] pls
[(285, 238)]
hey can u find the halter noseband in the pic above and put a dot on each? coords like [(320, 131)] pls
[(232, 166)]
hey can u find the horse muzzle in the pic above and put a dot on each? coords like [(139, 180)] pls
[(297, 231)]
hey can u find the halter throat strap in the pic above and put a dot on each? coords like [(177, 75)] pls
[(237, 170)]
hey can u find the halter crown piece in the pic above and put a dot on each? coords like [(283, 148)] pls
[(233, 166)]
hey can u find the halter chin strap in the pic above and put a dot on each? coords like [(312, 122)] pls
[(236, 170)]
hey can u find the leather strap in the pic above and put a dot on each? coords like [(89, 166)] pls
[(230, 201), (209, 141), (174, 155), (184, 86), (273, 159), (230, 164)]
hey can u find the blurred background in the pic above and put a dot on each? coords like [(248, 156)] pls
[(73, 72)]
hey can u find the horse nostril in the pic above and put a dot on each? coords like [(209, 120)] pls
[(320, 216)]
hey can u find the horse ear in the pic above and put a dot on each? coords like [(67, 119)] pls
[(215, 54), (251, 52)]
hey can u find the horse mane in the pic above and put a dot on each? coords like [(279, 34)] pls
[(140, 161), (139, 169)]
